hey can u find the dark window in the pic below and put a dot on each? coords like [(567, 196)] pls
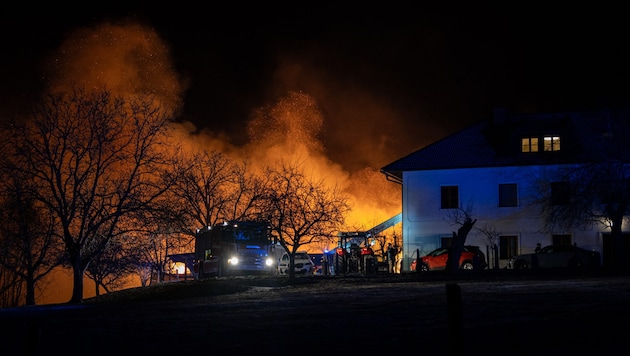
[(560, 193), (564, 240), (447, 241), (507, 246), (507, 195), (450, 197)]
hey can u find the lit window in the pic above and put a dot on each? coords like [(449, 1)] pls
[(551, 143), (529, 144)]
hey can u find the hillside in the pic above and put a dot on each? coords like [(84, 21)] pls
[(353, 314)]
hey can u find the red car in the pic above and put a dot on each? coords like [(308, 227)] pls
[(471, 258)]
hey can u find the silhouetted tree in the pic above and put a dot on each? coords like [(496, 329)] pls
[(28, 248), (112, 266), (152, 246), (92, 159), (579, 196), (459, 239), (301, 210), (214, 188), (462, 217), (11, 288)]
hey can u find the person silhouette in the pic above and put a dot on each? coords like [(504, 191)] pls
[(391, 257)]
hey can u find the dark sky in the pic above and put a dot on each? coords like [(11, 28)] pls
[(397, 77)]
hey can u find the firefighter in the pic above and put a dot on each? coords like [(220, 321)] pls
[(391, 257)]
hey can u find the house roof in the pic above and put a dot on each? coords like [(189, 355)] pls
[(584, 137)]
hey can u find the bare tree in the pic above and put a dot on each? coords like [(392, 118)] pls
[(159, 239), (11, 288), (28, 248), (576, 197), (214, 188), (461, 216), (248, 195), (301, 210), (492, 235), (112, 266), (93, 158), (203, 189)]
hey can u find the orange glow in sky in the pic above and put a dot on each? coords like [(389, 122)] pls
[(130, 59)]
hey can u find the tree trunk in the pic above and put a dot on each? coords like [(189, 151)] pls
[(30, 290), (459, 240), (77, 288)]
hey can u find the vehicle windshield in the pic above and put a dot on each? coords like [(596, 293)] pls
[(547, 249)]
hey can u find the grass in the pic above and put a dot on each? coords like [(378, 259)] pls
[(169, 291)]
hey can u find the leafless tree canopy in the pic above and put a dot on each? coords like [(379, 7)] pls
[(28, 248), (577, 197), (214, 188), (301, 209), (92, 159), (109, 193)]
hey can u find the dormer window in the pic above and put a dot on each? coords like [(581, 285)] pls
[(551, 143), (532, 144), (529, 144)]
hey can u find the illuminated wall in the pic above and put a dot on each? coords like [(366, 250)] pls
[(425, 223)]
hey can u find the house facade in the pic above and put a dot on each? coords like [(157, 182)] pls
[(500, 172)]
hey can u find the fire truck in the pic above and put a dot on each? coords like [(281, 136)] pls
[(235, 248)]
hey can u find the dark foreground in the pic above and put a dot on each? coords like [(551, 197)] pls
[(401, 314)]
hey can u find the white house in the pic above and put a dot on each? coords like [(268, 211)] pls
[(493, 170)]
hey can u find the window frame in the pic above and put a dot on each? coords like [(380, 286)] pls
[(530, 144), (508, 246), (551, 143), (508, 195), (562, 239), (449, 197)]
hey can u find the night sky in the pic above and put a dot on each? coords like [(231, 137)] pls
[(388, 79), (385, 79)]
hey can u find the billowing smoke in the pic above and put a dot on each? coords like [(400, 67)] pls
[(291, 129), (129, 58), (125, 57)]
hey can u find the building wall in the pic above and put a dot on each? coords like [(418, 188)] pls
[(425, 223)]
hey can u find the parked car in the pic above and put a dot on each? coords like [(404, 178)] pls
[(471, 258), (557, 256), (303, 263)]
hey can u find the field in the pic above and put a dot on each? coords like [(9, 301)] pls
[(482, 314)]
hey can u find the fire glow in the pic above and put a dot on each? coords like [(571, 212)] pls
[(130, 60)]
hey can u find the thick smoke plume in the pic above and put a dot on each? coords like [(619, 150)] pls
[(125, 57), (131, 59)]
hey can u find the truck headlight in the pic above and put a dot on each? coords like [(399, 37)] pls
[(233, 261), (269, 262)]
